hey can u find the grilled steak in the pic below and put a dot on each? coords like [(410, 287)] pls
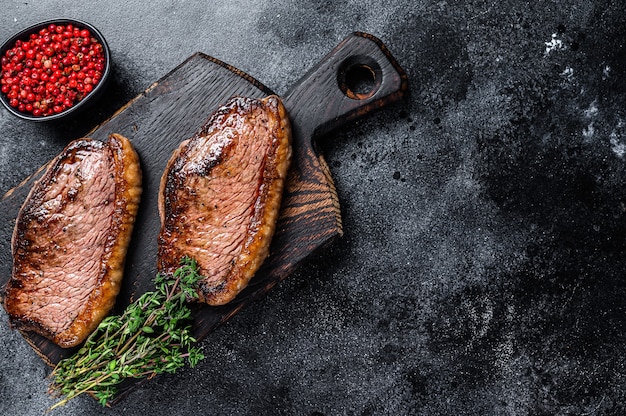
[(220, 195), (70, 240)]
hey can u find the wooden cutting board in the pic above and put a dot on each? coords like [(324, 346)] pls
[(355, 78)]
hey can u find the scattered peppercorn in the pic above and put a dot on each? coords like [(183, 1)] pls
[(52, 70)]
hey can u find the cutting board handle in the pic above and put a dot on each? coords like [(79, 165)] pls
[(356, 77)]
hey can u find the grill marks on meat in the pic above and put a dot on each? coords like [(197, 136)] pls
[(220, 195), (70, 240)]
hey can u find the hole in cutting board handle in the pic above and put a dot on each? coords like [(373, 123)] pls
[(359, 77)]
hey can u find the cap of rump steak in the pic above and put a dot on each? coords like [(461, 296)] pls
[(221, 192), (70, 240)]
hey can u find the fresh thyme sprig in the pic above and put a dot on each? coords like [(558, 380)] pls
[(152, 336)]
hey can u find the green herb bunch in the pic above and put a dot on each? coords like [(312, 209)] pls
[(152, 336)]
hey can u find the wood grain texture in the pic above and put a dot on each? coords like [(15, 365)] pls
[(173, 108)]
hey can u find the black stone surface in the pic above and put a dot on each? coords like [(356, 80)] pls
[(483, 263)]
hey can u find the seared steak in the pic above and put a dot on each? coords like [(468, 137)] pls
[(70, 240), (220, 195)]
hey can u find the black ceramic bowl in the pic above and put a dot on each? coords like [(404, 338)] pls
[(90, 98)]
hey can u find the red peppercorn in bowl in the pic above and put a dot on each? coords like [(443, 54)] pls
[(53, 69)]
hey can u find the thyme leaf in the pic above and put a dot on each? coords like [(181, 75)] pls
[(152, 336)]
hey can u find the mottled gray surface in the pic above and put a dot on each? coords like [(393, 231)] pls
[(482, 267)]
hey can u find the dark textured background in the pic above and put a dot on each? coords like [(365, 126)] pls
[(483, 263)]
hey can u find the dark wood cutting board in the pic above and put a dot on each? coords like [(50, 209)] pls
[(355, 78)]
